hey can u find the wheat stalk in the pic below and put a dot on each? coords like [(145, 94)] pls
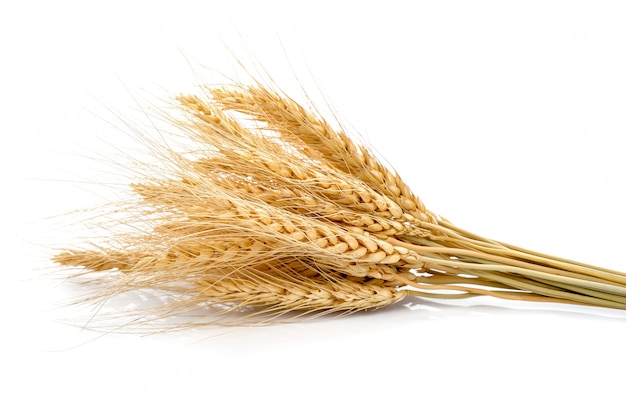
[(278, 212)]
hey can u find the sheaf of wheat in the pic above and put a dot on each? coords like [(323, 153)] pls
[(277, 212)]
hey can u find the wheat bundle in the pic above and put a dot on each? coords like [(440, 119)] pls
[(278, 212)]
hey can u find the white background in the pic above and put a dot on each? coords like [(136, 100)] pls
[(508, 118)]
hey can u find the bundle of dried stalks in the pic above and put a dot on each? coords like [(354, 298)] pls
[(279, 212)]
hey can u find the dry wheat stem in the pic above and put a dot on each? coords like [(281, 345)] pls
[(272, 211)]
